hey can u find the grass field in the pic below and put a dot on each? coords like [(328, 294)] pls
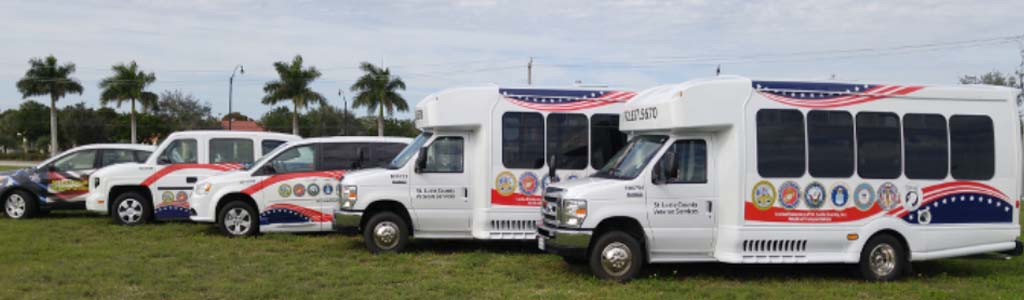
[(5, 168), (68, 255)]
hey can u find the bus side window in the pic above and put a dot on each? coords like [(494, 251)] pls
[(567, 140), (926, 152), (878, 145), (780, 143), (522, 140), (830, 143), (972, 145)]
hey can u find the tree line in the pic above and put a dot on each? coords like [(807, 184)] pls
[(377, 90)]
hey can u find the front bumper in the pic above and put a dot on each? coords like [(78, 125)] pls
[(96, 202), (347, 220), (564, 242), (200, 209)]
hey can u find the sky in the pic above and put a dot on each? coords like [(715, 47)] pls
[(193, 45)]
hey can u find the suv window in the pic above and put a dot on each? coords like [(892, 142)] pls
[(231, 151), (344, 156), (297, 159), (142, 156), (78, 161), (269, 145), (116, 156), (183, 151), (383, 153)]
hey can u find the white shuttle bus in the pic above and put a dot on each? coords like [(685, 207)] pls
[(737, 171), (478, 169)]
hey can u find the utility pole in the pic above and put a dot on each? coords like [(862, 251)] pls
[(344, 116), (231, 92), (529, 72)]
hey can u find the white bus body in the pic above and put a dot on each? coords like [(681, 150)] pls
[(291, 189), (798, 172), (159, 188), (464, 186)]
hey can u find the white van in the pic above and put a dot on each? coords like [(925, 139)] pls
[(737, 170), (291, 189), (159, 188), (478, 169)]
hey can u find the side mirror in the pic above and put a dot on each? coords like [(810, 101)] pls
[(658, 174), (421, 160), (552, 167), (267, 170)]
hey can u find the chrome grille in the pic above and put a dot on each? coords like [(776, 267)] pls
[(549, 210)]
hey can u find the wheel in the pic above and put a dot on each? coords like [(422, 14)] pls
[(386, 232), (20, 205), (883, 258), (238, 219), (616, 256), (131, 208)]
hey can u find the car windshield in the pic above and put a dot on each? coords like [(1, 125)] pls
[(409, 151), (266, 156), (631, 160)]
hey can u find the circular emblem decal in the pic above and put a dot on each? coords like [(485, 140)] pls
[(181, 197), (924, 216), (313, 189), (913, 201), (328, 189), (864, 196), (284, 190), (789, 195), (528, 183), (814, 195), (840, 195), (505, 183), (167, 196), (888, 196), (763, 195), (299, 190)]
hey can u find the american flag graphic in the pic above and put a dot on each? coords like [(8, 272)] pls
[(959, 202), (828, 95), (283, 213), (564, 100)]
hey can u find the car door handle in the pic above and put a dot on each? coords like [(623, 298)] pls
[(190, 180), (709, 206)]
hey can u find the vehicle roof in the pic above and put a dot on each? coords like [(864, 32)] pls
[(227, 133), (354, 139), (143, 147), (496, 88)]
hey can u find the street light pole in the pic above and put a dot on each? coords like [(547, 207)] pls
[(231, 91), (344, 116)]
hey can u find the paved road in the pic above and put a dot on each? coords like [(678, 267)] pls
[(17, 163)]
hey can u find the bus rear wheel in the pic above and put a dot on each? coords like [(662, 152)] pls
[(617, 256), (884, 258)]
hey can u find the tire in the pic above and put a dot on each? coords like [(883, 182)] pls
[(20, 204), (238, 219), (131, 209), (386, 232), (884, 258), (616, 256)]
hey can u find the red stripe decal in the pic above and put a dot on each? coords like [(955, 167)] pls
[(177, 167), (779, 214)]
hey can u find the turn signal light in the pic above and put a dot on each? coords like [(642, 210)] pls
[(852, 237)]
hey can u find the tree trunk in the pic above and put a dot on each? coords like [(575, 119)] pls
[(134, 139), (295, 119), (380, 121), (53, 124)]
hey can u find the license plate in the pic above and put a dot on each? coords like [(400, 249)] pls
[(540, 243)]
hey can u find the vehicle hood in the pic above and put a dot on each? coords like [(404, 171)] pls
[(375, 177), (232, 176), (591, 188), (125, 169)]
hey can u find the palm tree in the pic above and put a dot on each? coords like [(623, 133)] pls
[(46, 77), (129, 84), (293, 85), (378, 91)]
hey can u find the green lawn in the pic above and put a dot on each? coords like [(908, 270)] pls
[(69, 255), (5, 168)]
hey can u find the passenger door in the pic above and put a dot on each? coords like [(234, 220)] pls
[(440, 185), (67, 178), (288, 200), (171, 184), (681, 200)]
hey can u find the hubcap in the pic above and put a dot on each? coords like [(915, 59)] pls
[(130, 211), (15, 206), (616, 259), (385, 235), (238, 221), (882, 259)]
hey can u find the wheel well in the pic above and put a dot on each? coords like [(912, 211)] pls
[(625, 224), (895, 234), (232, 197), (386, 205), (118, 190), (8, 192)]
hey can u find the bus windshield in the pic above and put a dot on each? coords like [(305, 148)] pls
[(631, 160), (409, 151)]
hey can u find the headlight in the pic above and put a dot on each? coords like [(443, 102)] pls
[(572, 213), (202, 189), (349, 195)]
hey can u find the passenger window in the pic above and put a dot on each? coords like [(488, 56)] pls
[(142, 156), (269, 145), (926, 152), (567, 140), (684, 162), (383, 153), (231, 151), (116, 156), (605, 139), (444, 155), (522, 140), (780, 143), (344, 156), (296, 159), (972, 147), (182, 151), (830, 143), (878, 145), (78, 161)]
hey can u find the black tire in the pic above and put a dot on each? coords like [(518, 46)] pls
[(627, 254), (884, 258), (386, 232), (20, 204), (131, 209), (238, 219)]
